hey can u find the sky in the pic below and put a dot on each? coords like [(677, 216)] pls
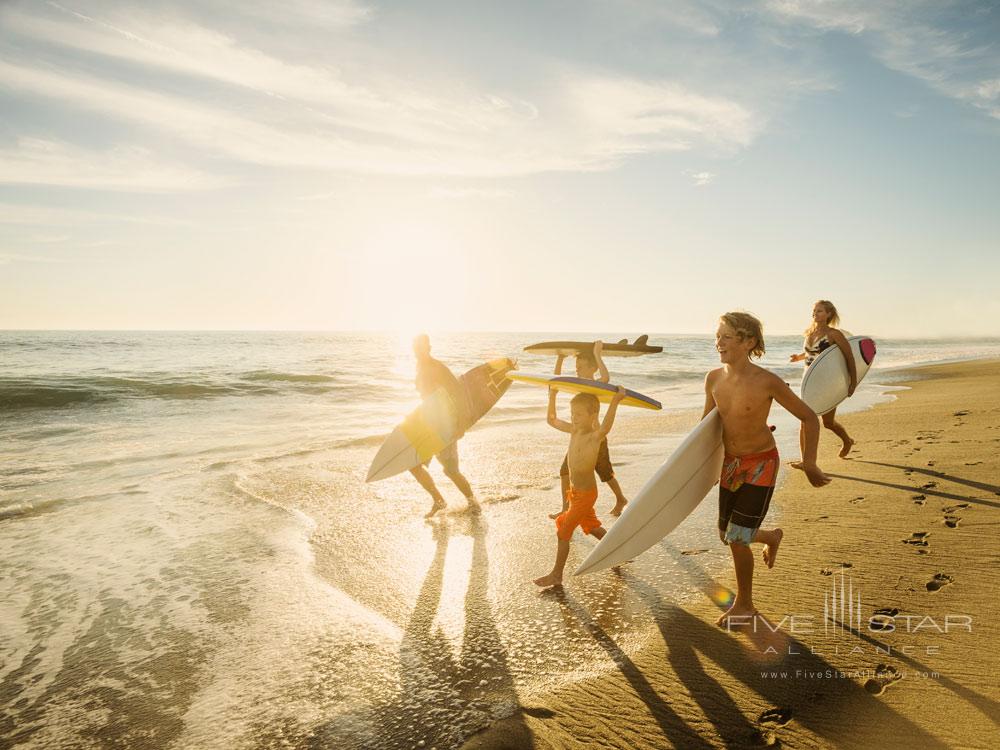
[(550, 165)]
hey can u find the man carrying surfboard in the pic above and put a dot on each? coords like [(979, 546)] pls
[(586, 438), (431, 375), (588, 363), (743, 393)]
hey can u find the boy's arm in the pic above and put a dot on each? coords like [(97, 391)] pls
[(810, 429), (559, 364), (552, 418), (609, 418), (709, 398), (841, 341), (603, 375)]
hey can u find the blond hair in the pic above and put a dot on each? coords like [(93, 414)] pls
[(746, 327), (832, 316)]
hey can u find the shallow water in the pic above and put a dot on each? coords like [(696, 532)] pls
[(191, 556)]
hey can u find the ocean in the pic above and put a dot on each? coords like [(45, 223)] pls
[(191, 556)]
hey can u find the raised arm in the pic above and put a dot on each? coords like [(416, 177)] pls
[(609, 417), (603, 375), (551, 416), (810, 429), (841, 341), (797, 357)]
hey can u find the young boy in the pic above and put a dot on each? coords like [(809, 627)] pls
[(587, 366), (431, 375), (743, 392), (586, 437)]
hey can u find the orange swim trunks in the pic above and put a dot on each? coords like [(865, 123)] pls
[(580, 513)]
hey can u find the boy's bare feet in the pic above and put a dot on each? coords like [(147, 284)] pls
[(619, 507), (473, 506), (771, 550), (439, 505), (736, 616), (550, 580), (848, 444)]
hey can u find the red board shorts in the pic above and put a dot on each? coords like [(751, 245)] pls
[(745, 490), (604, 469), (579, 513)]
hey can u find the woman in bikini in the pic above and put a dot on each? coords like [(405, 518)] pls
[(822, 334)]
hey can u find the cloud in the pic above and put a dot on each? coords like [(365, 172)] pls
[(37, 161), (33, 215), (8, 258), (460, 193), (276, 113), (700, 179), (945, 44)]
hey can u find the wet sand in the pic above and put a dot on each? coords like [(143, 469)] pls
[(906, 533)]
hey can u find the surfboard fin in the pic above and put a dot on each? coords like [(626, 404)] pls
[(623, 341), (641, 341)]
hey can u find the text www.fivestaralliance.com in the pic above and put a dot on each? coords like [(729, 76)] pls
[(835, 674)]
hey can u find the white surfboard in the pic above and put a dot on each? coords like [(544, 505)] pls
[(434, 425), (825, 382), (669, 497)]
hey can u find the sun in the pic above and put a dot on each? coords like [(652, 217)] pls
[(412, 276)]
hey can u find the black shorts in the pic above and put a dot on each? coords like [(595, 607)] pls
[(604, 469), (742, 511)]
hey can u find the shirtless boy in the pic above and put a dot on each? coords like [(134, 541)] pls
[(743, 392), (586, 437), (588, 364)]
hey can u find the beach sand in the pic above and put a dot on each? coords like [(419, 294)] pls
[(909, 523)]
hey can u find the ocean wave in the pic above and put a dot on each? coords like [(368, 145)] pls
[(69, 391), (287, 377)]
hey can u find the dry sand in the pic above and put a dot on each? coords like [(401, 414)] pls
[(914, 509)]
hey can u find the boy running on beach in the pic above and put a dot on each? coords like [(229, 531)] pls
[(743, 392), (586, 438), (587, 366), (431, 375)]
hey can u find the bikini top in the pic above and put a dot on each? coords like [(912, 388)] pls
[(817, 346)]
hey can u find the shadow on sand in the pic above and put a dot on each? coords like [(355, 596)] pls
[(443, 698)]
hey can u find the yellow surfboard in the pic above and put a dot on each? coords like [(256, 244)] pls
[(604, 391)]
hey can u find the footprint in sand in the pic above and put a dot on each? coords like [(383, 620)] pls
[(939, 581), (883, 619), (919, 499), (918, 539), (960, 413), (973, 463), (829, 571), (693, 551), (953, 508), (779, 716), (928, 486), (885, 675), (501, 499), (538, 713), (952, 521), (858, 499), (761, 738)]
